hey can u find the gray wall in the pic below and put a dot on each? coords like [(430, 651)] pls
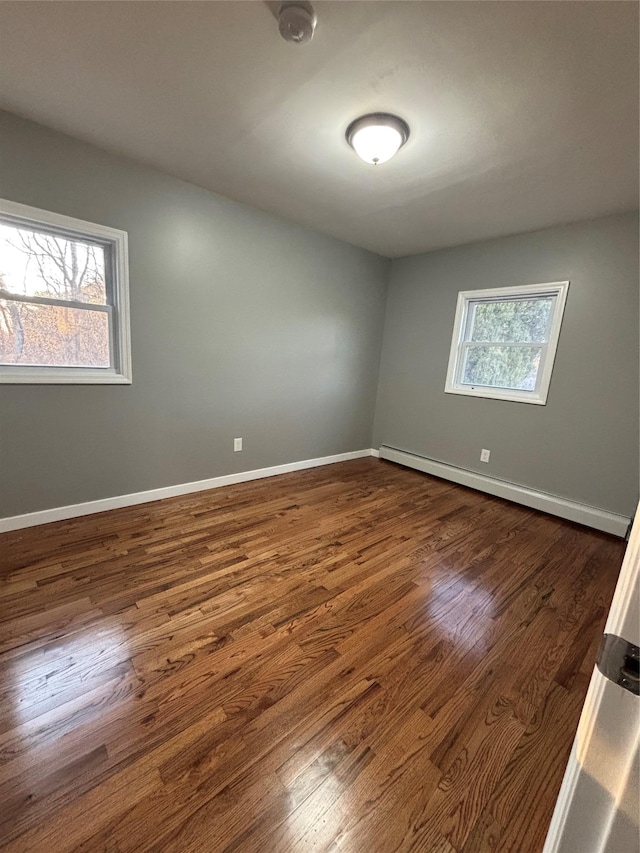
[(583, 444), (242, 325), (246, 325)]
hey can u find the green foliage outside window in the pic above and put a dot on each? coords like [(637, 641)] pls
[(516, 321)]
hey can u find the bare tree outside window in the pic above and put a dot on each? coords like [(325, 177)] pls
[(35, 265), (64, 299)]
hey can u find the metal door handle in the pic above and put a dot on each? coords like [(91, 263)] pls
[(619, 661)]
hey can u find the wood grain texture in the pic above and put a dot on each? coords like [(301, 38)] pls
[(353, 658)]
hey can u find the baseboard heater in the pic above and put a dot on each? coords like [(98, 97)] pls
[(590, 516)]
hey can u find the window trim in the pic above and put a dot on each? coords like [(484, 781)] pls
[(538, 396), (120, 333)]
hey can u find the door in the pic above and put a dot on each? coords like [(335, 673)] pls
[(597, 808)]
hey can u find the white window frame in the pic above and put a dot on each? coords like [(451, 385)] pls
[(466, 299), (115, 243)]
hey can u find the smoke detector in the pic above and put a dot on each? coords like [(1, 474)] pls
[(297, 21)]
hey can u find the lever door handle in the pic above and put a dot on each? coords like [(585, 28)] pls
[(619, 661)]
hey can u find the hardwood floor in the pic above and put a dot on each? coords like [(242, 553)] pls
[(354, 658)]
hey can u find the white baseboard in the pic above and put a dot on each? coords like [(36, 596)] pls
[(30, 519), (590, 516), (581, 513)]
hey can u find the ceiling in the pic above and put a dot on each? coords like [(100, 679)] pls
[(522, 114)]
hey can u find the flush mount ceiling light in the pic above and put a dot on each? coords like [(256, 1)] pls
[(377, 137)]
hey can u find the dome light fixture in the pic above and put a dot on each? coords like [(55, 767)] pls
[(376, 137)]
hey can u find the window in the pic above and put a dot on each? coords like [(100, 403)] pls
[(64, 302), (504, 342)]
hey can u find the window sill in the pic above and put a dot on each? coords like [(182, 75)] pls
[(60, 376), (513, 397)]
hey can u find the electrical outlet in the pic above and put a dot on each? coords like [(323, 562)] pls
[(484, 455), (237, 444)]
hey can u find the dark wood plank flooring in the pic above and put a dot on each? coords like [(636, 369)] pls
[(353, 658)]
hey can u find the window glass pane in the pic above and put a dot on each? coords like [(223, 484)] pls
[(515, 320), (502, 367), (35, 263), (53, 335)]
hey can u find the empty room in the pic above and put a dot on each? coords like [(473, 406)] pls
[(319, 426)]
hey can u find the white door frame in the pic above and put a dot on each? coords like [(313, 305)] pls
[(600, 779)]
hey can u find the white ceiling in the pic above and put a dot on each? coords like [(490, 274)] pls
[(522, 114)]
